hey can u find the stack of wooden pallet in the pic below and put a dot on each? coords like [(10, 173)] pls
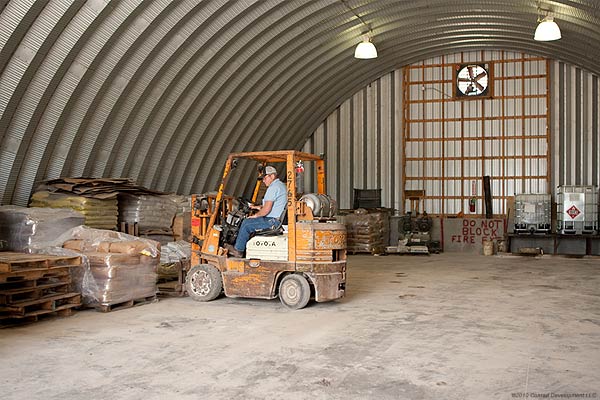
[(36, 285)]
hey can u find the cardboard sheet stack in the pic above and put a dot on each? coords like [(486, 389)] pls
[(122, 268), (153, 214), (22, 228), (367, 231), (96, 198), (99, 213)]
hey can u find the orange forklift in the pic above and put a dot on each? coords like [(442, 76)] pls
[(303, 258)]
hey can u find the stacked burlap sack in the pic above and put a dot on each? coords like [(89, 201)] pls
[(367, 231), (98, 213), (22, 228), (120, 267), (153, 215)]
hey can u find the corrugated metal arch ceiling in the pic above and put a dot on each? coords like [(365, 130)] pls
[(160, 90)]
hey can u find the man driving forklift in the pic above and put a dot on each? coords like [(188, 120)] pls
[(267, 217), (307, 261)]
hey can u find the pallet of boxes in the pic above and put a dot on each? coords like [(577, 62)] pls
[(120, 269)]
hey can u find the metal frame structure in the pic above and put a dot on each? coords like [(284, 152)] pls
[(451, 143)]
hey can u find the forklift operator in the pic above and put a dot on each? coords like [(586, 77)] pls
[(267, 217)]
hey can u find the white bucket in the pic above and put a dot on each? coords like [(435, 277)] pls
[(488, 247)]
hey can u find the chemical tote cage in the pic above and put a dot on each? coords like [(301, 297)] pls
[(577, 209)]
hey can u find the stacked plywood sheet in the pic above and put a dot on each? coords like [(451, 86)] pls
[(36, 285)]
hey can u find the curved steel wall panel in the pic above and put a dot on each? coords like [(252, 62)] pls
[(575, 126), (152, 80), (188, 69), (39, 42), (65, 72), (262, 73), (161, 90)]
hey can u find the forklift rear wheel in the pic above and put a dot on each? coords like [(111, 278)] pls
[(294, 291), (204, 282)]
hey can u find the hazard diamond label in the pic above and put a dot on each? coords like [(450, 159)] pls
[(573, 212)]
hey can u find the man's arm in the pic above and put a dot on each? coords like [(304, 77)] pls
[(264, 210)]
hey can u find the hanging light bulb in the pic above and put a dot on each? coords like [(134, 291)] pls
[(547, 30), (365, 49)]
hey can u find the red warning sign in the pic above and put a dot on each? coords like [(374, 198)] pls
[(573, 212)]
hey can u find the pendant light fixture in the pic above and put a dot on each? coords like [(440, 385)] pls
[(365, 49), (547, 30)]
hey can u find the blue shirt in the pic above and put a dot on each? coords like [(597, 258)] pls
[(277, 193)]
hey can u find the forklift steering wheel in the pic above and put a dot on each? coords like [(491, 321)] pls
[(244, 205)]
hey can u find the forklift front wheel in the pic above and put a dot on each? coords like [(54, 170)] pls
[(204, 282), (294, 291)]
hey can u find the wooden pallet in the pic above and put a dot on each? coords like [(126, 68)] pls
[(15, 262), (43, 314), (172, 285), (13, 292), (32, 307), (28, 275), (171, 288), (125, 304)]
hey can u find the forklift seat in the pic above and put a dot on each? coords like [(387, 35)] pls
[(276, 230)]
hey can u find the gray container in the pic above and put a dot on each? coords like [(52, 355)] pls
[(367, 198), (533, 213), (577, 209)]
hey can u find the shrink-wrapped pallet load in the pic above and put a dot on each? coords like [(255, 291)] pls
[(121, 270), (99, 213), (121, 278), (22, 228)]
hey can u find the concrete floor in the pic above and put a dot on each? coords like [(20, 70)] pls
[(447, 326)]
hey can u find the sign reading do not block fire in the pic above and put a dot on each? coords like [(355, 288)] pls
[(468, 234)]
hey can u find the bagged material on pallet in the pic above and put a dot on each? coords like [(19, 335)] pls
[(173, 257), (22, 228), (99, 213), (175, 251), (150, 212), (122, 277), (367, 231), (117, 267)]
